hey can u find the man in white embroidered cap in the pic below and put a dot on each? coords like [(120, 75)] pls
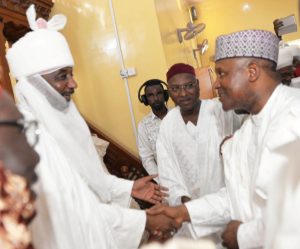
[(74, 192), (246, 80)]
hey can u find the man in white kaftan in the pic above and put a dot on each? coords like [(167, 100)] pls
[(188, 155), (79, 205), (247, 174), (251, 83), (188, 145), (156, 97)]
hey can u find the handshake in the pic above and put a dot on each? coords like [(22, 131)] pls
[(163, 221)]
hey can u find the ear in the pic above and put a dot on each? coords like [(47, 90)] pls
[(254, 71)]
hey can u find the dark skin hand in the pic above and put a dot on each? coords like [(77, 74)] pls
[(185, 199), (223, 141), (146, 190), (179, 214), (229, 236), (161, 226)]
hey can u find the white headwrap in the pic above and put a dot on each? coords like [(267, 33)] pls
[(295, 82), (40, 50), (287, 55)]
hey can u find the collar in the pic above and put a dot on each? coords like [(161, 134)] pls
[(257, 118)]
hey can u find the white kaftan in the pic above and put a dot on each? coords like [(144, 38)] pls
[(148, 130), (282, 216), (188, 155), (79, 205), (248, 171)]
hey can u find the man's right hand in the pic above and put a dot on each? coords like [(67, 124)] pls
[(161, 226), (178, 214)]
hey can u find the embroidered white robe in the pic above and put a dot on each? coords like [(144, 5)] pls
[(188, 155)]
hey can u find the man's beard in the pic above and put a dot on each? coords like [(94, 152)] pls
[(158, 107)]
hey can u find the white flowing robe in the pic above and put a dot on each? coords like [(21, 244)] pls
[(249, 169), (282, 216), (188, 156), (79, 205)]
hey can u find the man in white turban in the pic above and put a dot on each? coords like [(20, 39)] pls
[(79, 206)]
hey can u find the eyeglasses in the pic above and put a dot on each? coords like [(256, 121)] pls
[(29, 128), (187, 86)]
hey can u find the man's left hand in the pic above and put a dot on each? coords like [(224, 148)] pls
[(146, 190), (229, 236)]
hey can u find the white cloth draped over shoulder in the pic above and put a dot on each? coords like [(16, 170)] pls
[(249, 166), (282, 218), (73, 190), (189, 163)]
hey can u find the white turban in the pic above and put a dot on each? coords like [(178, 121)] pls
[(287, 55), (41, 50), (295, 82)]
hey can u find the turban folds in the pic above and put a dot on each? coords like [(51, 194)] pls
[(42, 50)]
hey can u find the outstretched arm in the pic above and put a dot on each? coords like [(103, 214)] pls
[(206, 215)]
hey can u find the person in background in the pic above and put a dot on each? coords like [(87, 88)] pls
[(187, 146), (156, 97), (288, 65), (17, 175), (79, 205)]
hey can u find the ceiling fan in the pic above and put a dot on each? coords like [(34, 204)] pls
[(201, 48), (191, 31)]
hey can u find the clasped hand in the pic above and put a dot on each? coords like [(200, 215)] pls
[(164, 221)]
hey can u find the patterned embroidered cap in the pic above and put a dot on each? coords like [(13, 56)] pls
[(248, 43)]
